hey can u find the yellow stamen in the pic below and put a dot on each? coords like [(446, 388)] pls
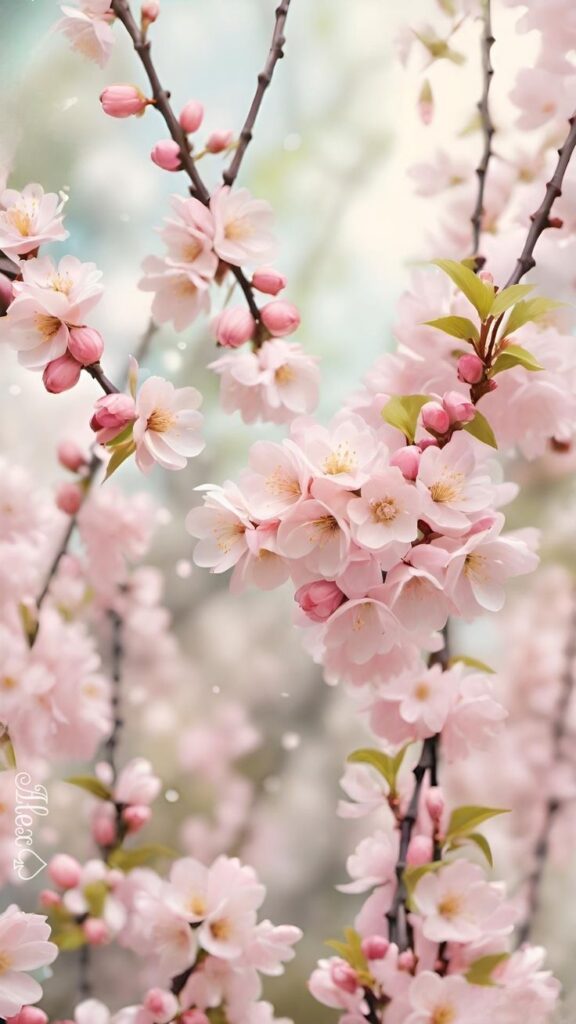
[(160, 421)]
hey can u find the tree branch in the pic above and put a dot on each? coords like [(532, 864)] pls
[(116, 656), (487, 130), (275, 54), (541, 219)]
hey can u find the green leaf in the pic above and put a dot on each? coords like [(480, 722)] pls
[(480, 971), (481, 295), (515, 355), (7, 752), (482, 843), (119, 455), (481, 429), (456, 326), (69, 938), (29, 620), (139, 855), (466, 819), (509, 297), (403, 411), (471, 663), (95, 894), (91, 785), (530, 311), (351, 950), (387, 765), (413, 874), (124, 435)]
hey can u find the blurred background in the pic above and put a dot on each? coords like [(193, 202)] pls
[(338, 131)]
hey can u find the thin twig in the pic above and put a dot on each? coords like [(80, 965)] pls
[(84, 985), (116, 658), (542, 847), (541, 219), (487, 130), (275, 54)]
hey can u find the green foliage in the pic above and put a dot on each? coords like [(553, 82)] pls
[(91, 785), (481, 295), (7, 754), (480, 971), (456, 326), (530, 311), (126, 860), (119, 455), (464, 820), (387, 765), (481, 429), (509, 297), (95, 894), (351, 951), (481, 666), (403, 411), (515, 355)]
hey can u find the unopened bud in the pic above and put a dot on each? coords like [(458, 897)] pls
[(420, 851), (166, 154), (233, 327), (280, 318), (459, 408), (375, 947), (95, 931), (69, 498), (407, 460), (217, 142), (61, 374), (136, 816), (435, 417), (123, 101), (470, 369), (86, 345), (344, 976), (64, 871), (268, 281), (71, 456), (191, 116)]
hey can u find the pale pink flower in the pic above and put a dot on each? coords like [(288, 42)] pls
[(459, 905), (360, 629), (476, 718), (367, 789), (324, 989), (24, 946), (189, 237), (415, 588), (542, 97), (29, 218), (319, 599), (167, 428), (136, 783), (88, 29), (434, 999), (386, 515), (180, 294), (48, 302), (242, 226), (317, 530), (271, 946), (450, 489), (220, 525), (241, 384), (372, 863), (478, 568), (343, 453), (424, 699), (277, 480), (290, 380)]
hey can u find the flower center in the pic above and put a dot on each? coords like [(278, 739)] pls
[(227, 534), (160, 421), (280, 483), (237, 229), (384, 511), (422, 691), (221, 929), (450, 906), (284, 374), (8, 682), (191, 250), (197, 905), (47, 325), (448, 488), (324, 529), (444, 1014), (185, 288), (342, 460), (21, 221), (5, 962), (475, 566), (60, 283)]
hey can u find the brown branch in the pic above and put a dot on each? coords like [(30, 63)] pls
[(116, 657), (487, 131), (96, 372), (541, 219), (275, 54), (542, 847)]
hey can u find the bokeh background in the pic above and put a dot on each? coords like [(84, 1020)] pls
[(337, 134)]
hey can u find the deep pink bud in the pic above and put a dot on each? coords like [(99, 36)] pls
[(69, 498), (29, 1015), (6, 291), (234, 326), (136, 816), (150, 11), (427, 442), (407, 460), (86, 345), (61, 374), (435, 417), (435, 803), (71, 456), (344, 976), (458, 407), (375, 947), (217, 142), (420, 850), (161, 1004), (95, 931), (64, 871), (280, 318), (191, 116), (470, 369), (268, 281), (166, 154), (48, 899), (318, 600), (406, 960), (123, 101), (111, 414), (104, 828), (194, 1017)]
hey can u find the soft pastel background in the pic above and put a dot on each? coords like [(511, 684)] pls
[(337, 134)]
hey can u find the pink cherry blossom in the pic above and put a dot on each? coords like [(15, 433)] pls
[(478, 567), (136, 783), (189, 237), (317, 530), (167, 425), (30, 218), (277, 480), (220, 525), (386, 515), (180, 294), (459, 905), (242, 226), (24, 947), (88, 29), (433, 999), (449, 487)]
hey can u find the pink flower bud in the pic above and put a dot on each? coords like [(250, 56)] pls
[(48, 899), (64, 871), (104, 827), (420, 850), (280, 318), (71, 456), (344, 976), (234, 326), (136, 816), (406, 960), (95, 931), (435, 417), (486, 277), (161, 1004), (458, 407), (268, 281), (194, 1017), (191, 116), (69, 498), (318, 600), (217, 142), (427, 442), (470, 369), (407, 461), (61, 374), (375, 947), (150, 11), (435, 803), (123, 101), (166, 154), (86, 345), (29, 1015), (111, 414), (6, 291)]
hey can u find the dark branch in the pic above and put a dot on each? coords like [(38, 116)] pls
[(541, 219), (487, 130), (275, 54), (116, 657)]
